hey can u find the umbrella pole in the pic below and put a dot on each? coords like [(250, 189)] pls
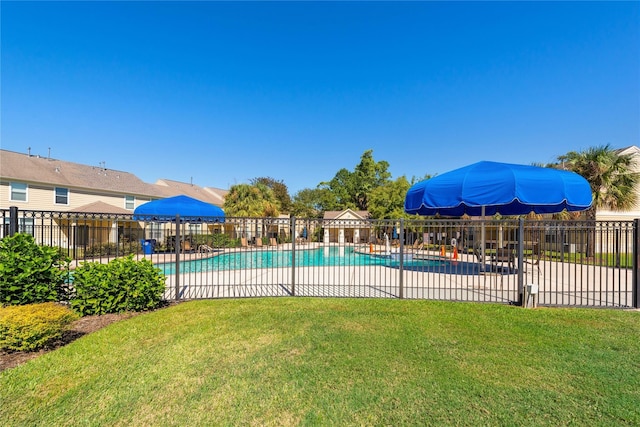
[(482, 238)]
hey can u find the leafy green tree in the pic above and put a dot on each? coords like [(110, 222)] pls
[(415, 180), (280, 191), (387, 201), (611, 175), (352, 189), (307, 203), (340, 191), (368, 176)]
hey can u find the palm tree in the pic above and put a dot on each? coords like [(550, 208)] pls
[(612, 177), (244, 200)]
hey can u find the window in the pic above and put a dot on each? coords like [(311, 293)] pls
[(195, 228), (18, 192), (156, 231), (62, 196), (129, 202)]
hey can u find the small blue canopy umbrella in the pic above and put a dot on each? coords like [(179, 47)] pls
[(487, 188), (188, 208)]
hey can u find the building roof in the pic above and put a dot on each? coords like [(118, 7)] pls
[(208, 194), (37, 169), (633, 151), (346, 214), (219, 193), (49, 171), (100, 207)]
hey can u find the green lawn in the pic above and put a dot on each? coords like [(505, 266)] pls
[(623, 260), (297, 361)]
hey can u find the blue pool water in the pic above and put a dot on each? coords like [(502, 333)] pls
[(331, 256)]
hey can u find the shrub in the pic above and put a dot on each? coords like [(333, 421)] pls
[(31, 327), (112, 249), (121, 285), (101, 249), (217, 240), (30, 273)]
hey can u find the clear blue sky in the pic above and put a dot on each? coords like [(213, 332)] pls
[(224, 92)]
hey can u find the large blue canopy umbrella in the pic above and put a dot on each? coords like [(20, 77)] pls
[(188, 208), (486, 188)]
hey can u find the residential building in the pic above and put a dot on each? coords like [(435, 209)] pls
[(36, 183), (347, 226), (33, 182)]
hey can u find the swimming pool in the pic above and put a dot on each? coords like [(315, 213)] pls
[(327, 256)]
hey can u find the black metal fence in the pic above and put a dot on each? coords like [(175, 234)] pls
[(511, 261)]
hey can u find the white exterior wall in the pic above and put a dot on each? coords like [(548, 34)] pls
[(40, 197), (617, 216)]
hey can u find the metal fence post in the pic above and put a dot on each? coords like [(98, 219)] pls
[(293, 256), (635, 280), (401, 266), (177, 248), (13, 220), (521, 288)]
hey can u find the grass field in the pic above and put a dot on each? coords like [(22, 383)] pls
[(297, 361)]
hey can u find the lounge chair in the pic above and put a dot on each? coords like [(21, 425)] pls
[(259, 242), (273, 241), (536, 254), (504, 256), (243, 242), (185, 246), (205, 248), (417, 245), (477, 251)]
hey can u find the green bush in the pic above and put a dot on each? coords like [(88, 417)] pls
[(217, 240), (30, 273), (121, 285), (31, 327), (112, 249), (101, 249)]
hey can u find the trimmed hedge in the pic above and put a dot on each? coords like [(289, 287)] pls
[(31, 327)]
